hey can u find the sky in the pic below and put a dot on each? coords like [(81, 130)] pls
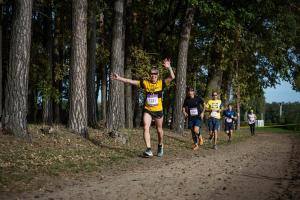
[(282, 93)]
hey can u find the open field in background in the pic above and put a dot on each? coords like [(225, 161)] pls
[(287, 129)]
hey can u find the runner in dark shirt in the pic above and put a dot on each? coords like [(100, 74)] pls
[(193, 109), (229, 116)]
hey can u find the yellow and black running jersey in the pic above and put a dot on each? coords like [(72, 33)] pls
[(215, 107), (153, 100)]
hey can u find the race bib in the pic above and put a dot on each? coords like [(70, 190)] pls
[(193, 111), (152, 99), (252, 119), (228, 120), (214, 114)]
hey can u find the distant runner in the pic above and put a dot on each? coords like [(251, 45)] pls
[(229, 116), (251, 121), (193, 109), (153, 108), (214, 107)]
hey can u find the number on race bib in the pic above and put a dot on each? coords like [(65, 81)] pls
[(152, 99), (193, 111), (213, 114), (229, 120)]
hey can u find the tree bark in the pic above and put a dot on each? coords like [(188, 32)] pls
[(178, 124), (238, 98), (55, 69), (103, 75), (226, 86), (238, 108), (115, 120), (91, 67), (16, 89), (214, 82), (122, 90), (128, 73), (47, 101), (128, 100), (137, 115), (104, 94), (1, 70), (98, 87), (78, 100)]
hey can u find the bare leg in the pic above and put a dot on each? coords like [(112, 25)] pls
[(196, 130), (147, 123), (159, 128), (211, 136), (215, 134), (230, 135)]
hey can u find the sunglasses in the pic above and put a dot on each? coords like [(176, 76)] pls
[(214, 95), (154, 73)]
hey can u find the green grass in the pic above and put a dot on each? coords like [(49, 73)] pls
[(278, 130)]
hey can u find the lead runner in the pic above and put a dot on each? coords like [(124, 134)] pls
[(153, 108)]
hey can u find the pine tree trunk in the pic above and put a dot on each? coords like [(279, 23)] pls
[(47, 101), (167, 106), (122, 59), (98, 87), (104, 94), (128, 73), (1, 71), (78, 100), (238, 108), (103, 75), (115, 118), (56, 66), (214, 83), (91, 67), (238, 97), (137, 108), (215, 73), (226, 86), (16, 89), (178, 124), (228, 89), (128, 100)]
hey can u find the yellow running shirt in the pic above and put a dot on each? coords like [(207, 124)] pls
[(214, 106), (153, 100)]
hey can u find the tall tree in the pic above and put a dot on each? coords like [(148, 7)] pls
[(104, 93), (57, 65), (178, 123), (48, 100), (128, 63), (91, 66), (238, 97), (103, 70), (1, 71), (78, 100), (16, 89), (116, 107), (215, 72)]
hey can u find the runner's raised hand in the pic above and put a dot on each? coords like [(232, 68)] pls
[(114, 76), (167, 63)]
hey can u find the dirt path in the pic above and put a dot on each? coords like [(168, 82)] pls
[(263, 167)]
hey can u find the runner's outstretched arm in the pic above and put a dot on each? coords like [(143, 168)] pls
[(115, 76), (167, 64)]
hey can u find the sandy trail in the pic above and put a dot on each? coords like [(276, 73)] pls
[(263, 167)]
